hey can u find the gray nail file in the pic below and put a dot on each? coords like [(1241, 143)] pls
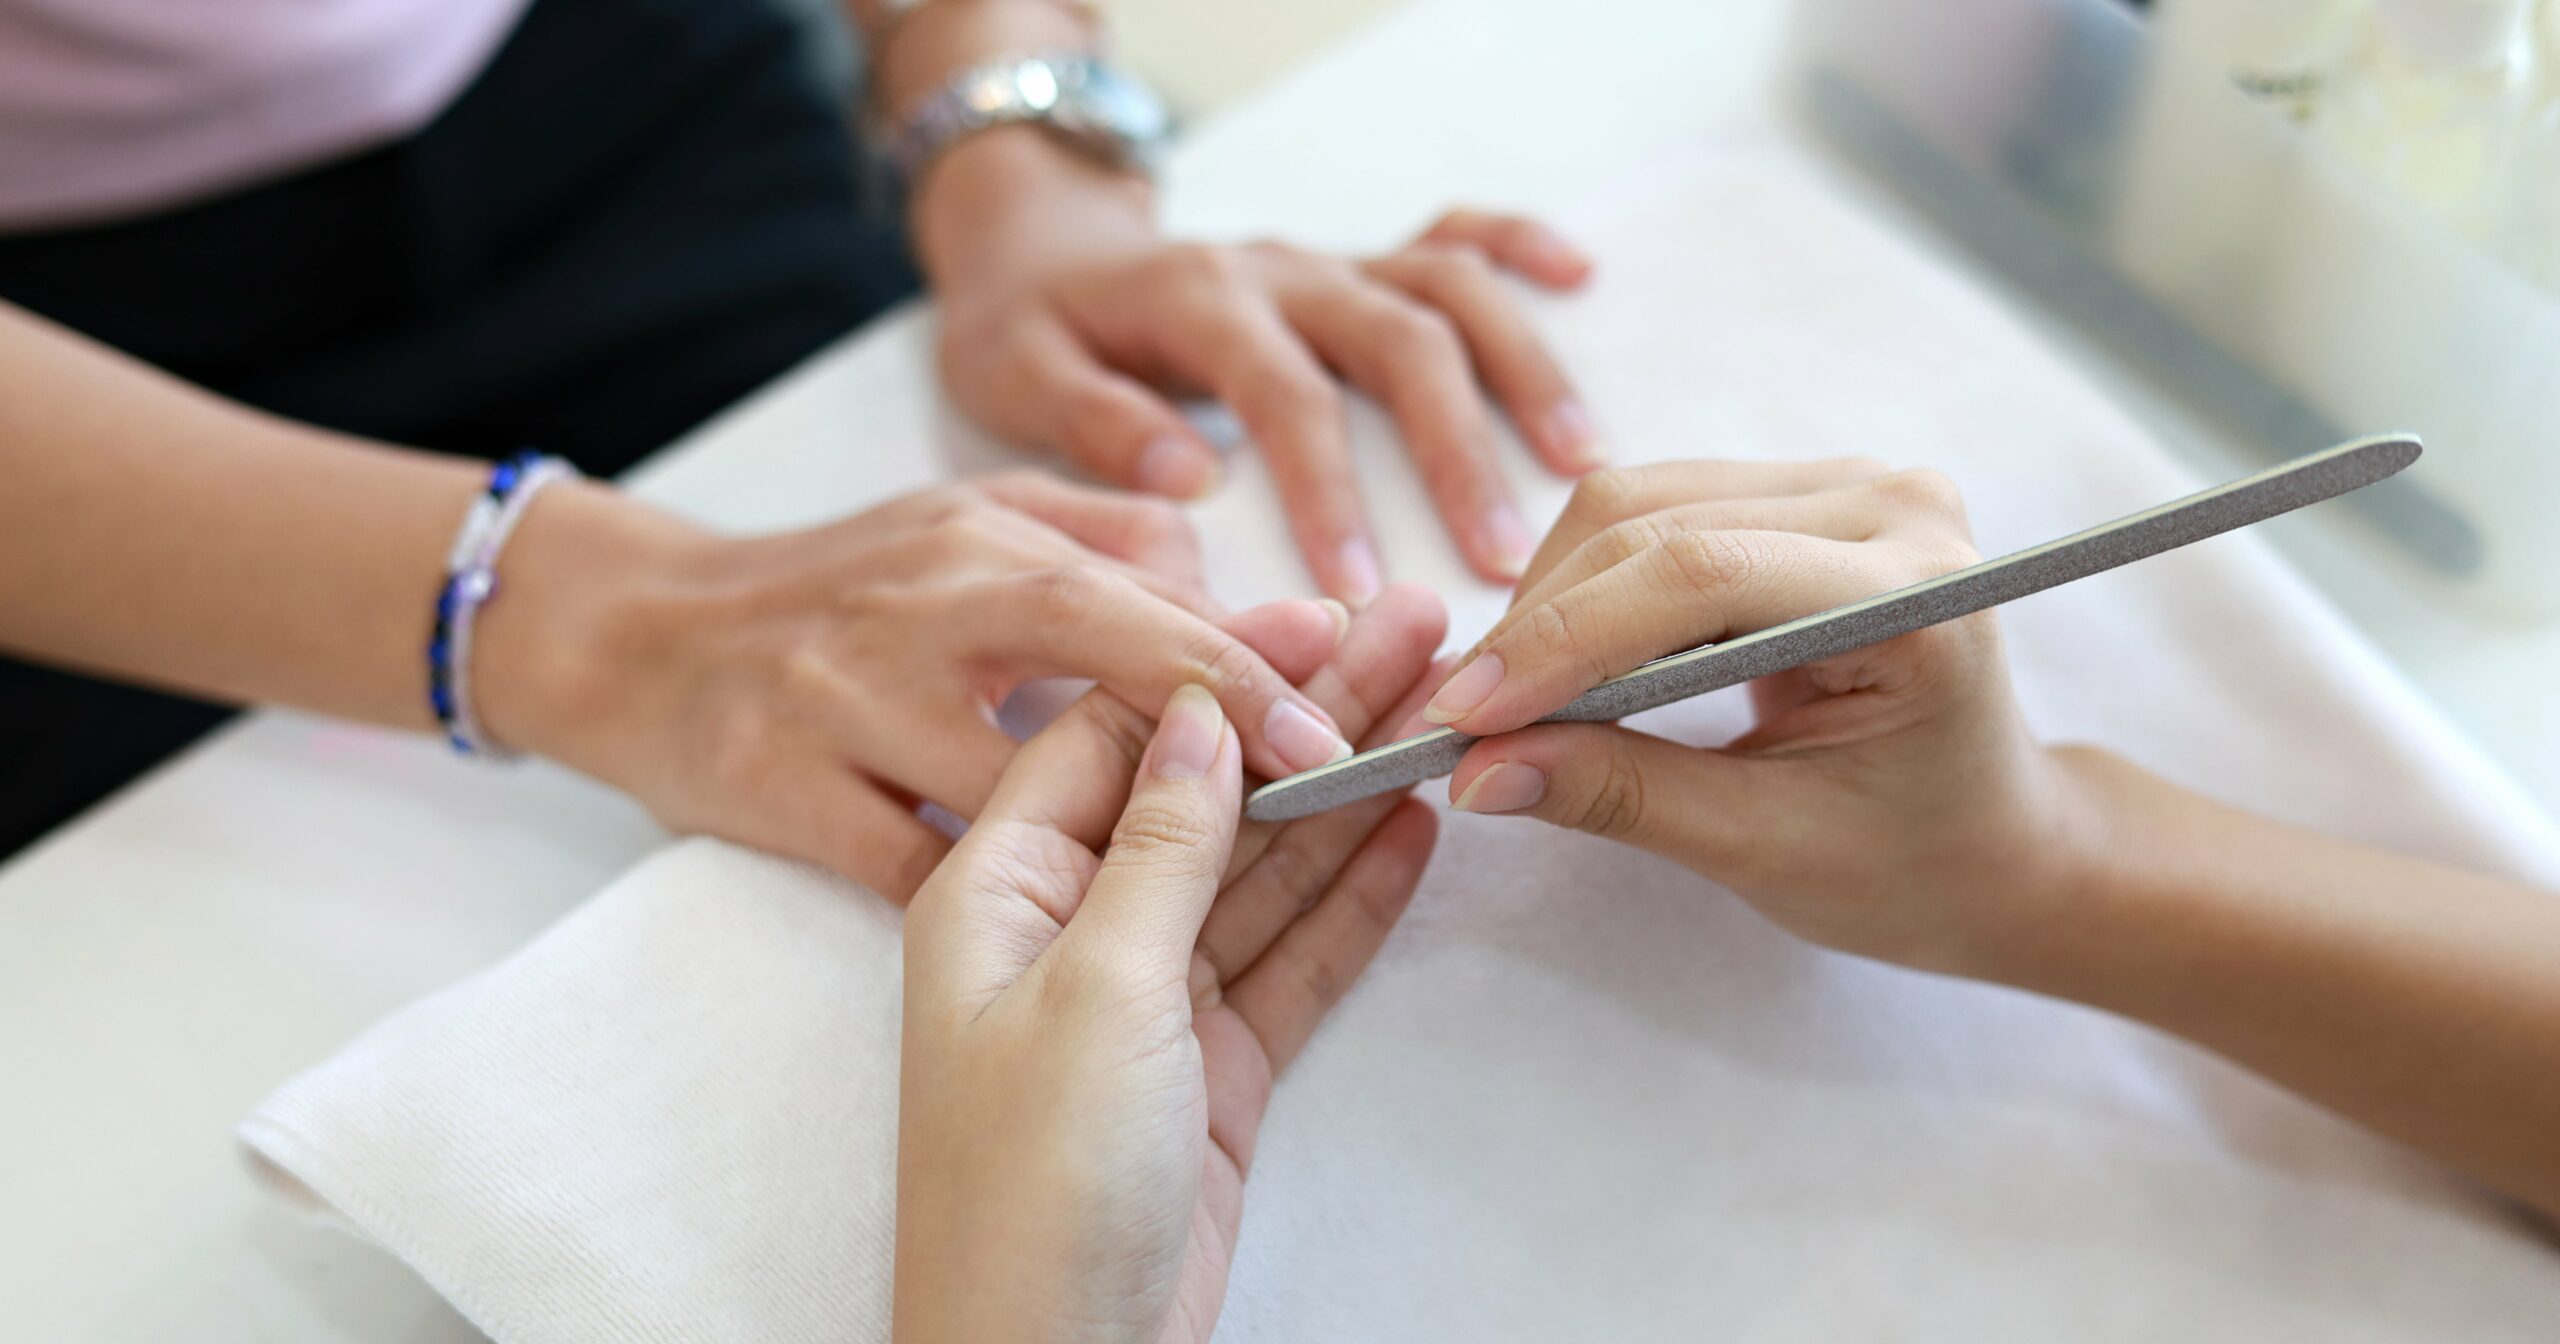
[(1712, 667)]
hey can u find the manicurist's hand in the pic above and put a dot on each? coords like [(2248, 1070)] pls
[(1069, 320), (1875, 790), (802, 692), (1101, 982), (1891, 802)]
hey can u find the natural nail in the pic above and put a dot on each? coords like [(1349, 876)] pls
[(1357, 567), (1187, 740), (1571, 437), (1509, 539), (1341, 617), (1459, 696), (1175, 466), (1302, 740), (1505, 786)]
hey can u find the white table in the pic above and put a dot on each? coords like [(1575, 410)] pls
[(173, 955)]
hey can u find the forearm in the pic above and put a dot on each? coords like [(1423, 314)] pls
[(152, 532), (2419, 1000)]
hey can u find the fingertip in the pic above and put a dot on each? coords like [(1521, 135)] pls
[(1177, 466), (1191, 736), (1355, 573), (1567, 440)]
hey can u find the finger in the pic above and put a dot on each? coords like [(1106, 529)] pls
[(1289, 990), (1841, 515), (1381, 659), (955, 756), (1692, 805), (1504, 348), (1515, 243), (1148, 533), (1227, 337), (1606, 498), (1280, 871), (1084, 622), (1296, 637), (1410, 358), (1169, 849), (1692, 588), (1108, 424)]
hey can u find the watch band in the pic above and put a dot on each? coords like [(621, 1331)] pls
[(1064, 92)]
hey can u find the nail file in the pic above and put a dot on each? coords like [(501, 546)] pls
[(1712, 667)]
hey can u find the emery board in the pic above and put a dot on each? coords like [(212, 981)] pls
[(1712, 667)]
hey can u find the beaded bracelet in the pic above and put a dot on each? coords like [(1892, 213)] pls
[(471, 579)]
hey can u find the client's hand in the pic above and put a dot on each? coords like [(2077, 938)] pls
[(1068, 317), (1888, 801), (1089, 1043), (802, 692)]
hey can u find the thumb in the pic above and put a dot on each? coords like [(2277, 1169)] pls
[(1169, 850), (1688, 804)]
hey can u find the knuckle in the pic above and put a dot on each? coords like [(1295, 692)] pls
[(1294, 394), (1220, 663), (1070, 592), (1203, 266), (1319, 980), (1859, 467), (1160, 833), (1620, 542), (1708, 561), (1418, 327), (1921, 490), (1606, 496), (1614, 806), (1554, 635)]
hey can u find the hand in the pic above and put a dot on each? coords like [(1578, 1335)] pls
[(1888, 801), (803, 692), (1090, 1041), (1067, 319)]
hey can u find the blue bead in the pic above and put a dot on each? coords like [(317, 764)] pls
[(442, 699), (503, 479), (437, 653)]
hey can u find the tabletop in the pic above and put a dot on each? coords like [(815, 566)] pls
[(173, 955)]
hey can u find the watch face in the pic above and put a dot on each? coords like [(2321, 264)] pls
[(1122, 107)]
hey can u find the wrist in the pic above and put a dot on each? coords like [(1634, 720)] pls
[(2031, 899), (1006, 199), (582, 560)]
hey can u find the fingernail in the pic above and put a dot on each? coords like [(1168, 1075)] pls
[(1509, 539), (1341, 617), (1357, 566), (1459, 696), (1187, 741), (1571, 436), (1303, 740), (1175, 466), (1505, 786), (1552, 249)]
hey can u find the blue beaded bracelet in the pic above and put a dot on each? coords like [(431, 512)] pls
[(471, 579)]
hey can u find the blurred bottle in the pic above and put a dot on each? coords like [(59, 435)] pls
[(2533, 177), (2434, 108), (2284, 54)]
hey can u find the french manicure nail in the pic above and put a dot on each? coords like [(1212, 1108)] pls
[(1357, 562), (1187, 741), (1474, 684), (1505, 786), (1341, 617), (1175, 466), (1303, 740), (1509, 539)]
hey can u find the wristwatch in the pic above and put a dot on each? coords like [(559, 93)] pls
[(1084, 101)]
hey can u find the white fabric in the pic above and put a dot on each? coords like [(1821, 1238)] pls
[(1580, 1095)]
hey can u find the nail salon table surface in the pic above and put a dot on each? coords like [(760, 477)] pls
[(170, 957)]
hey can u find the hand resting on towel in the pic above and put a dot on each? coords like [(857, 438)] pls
[(1101, 982)]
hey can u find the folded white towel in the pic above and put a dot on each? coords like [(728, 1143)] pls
[(1581, 1095)]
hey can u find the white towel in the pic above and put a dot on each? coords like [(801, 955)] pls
[(1581, 1095)]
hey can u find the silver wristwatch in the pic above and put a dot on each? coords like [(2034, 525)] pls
[(1085, 102)]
